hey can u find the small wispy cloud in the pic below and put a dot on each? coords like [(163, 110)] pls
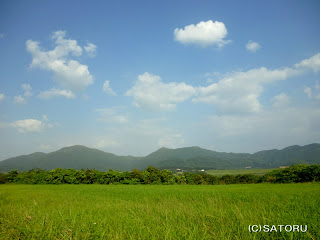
[(107, 89), (19, 100), (91, 49), (27, 93), (112, 115), (253, 46), (54, 92)]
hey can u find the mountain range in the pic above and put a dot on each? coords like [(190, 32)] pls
[(187, 158)]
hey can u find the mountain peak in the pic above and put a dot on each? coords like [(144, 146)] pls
[(82, 157), (73, 148)]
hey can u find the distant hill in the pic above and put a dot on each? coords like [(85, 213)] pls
[(76, 157), (188, 158)]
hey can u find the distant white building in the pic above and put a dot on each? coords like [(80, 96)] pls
[(283, 167)]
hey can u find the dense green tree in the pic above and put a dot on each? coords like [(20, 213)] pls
[(3, 178), (152, 175)]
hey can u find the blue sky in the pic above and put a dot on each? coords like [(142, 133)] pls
[(130, 77)]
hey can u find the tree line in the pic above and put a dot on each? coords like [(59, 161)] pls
[(152, 175)]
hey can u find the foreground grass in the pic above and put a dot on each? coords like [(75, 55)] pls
[(258, 172), (157, 212)]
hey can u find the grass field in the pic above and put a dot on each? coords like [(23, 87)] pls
[(258, 172), (157, 211)]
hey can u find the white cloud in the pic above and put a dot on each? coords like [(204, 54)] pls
[(2, 97), (27, 89), (253, 46), (150, 93), (236, 92), (111, 115), (280, 101), (19, 100), (28, 125), (317, 86), (240, 91), (310, 63), (2, 35), (106, 88), (54, 92), (68, 73), (204, 34), (91, 49), (31, 125)]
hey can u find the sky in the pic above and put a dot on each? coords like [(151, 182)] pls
[(130, 77)]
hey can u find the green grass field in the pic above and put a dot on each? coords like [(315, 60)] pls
[(157, 211), (258, 172)]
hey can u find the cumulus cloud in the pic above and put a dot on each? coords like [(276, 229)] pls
[(310, 63), (30, 125), (253, 46), (280, 101), (2, 97), (107, 89), (235, 92), (203, 34), (54, 92), (91, 49), (68, 72), (19, 100), (150, 93), (239, 92)]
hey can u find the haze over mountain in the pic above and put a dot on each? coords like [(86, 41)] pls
[(188, 158)]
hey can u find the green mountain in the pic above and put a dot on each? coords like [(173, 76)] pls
[(76, 157), (188, 158), (309, 154)]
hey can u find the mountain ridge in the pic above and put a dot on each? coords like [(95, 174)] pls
[(189, 158)]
